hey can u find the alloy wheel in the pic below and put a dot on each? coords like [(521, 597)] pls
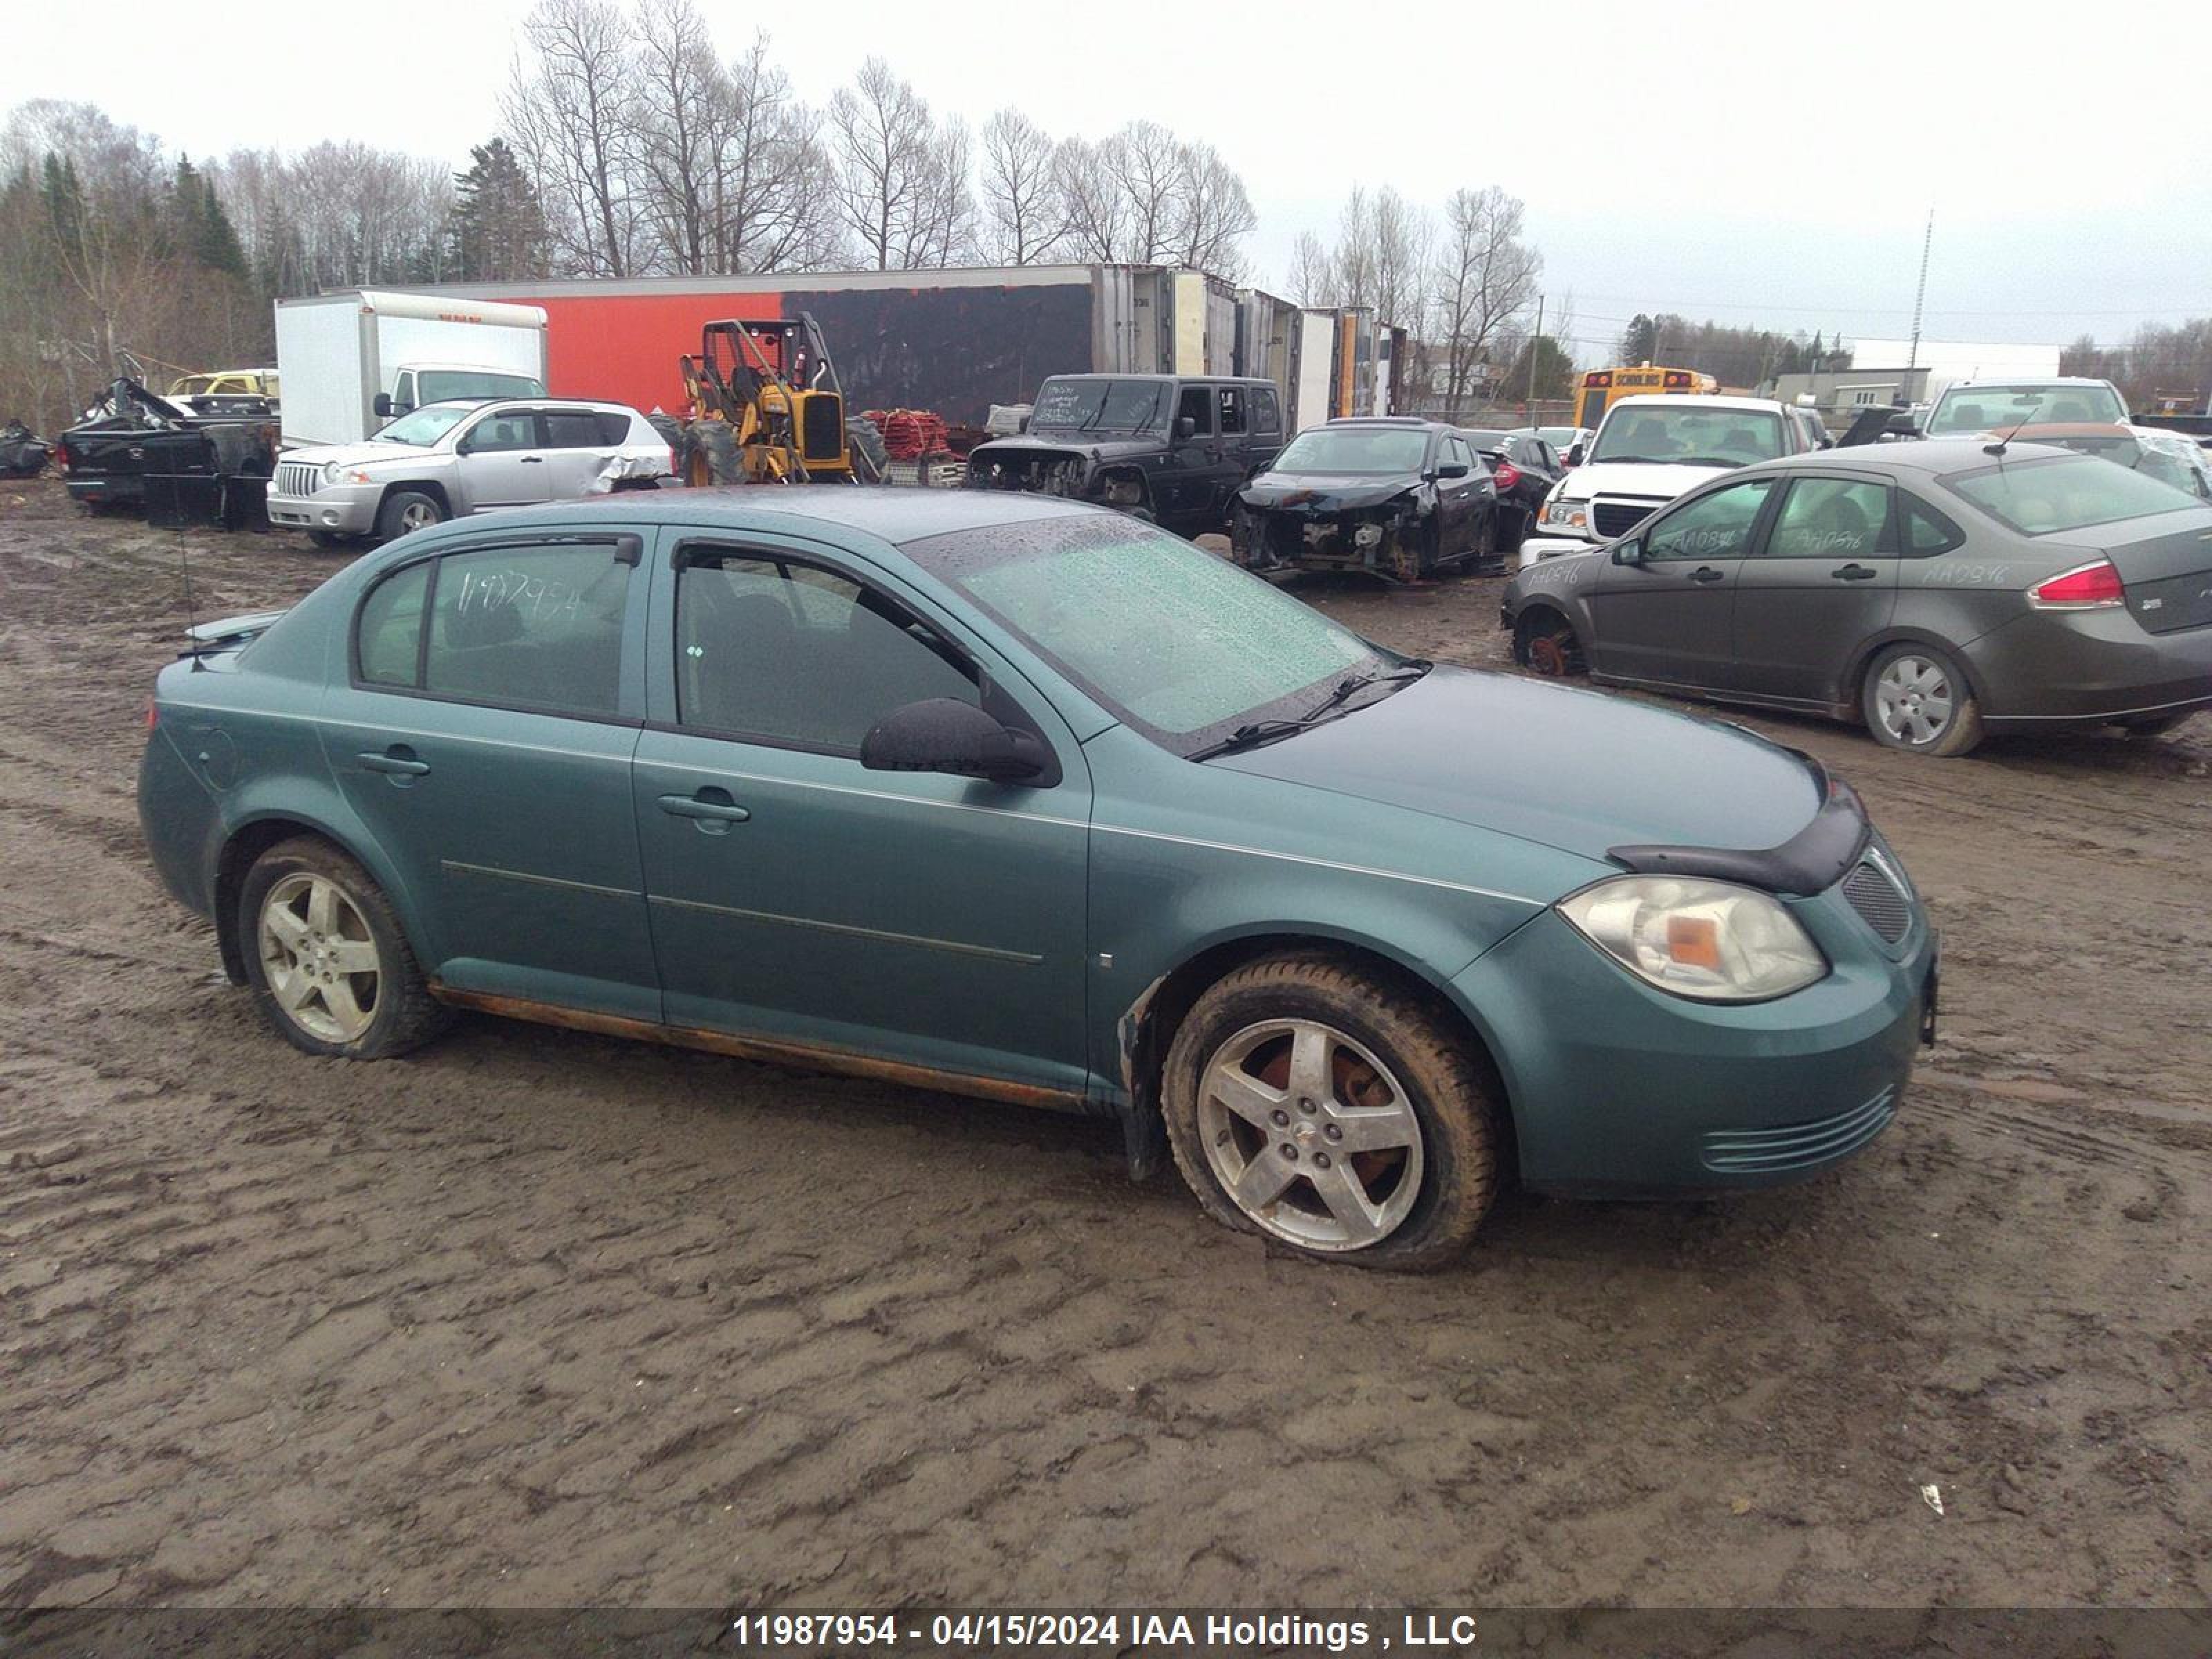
[(1310, 1135), (1913, 700), (318, 957), (417, 516)]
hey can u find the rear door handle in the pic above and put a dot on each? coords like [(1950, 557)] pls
[(1855, 573), (534, 460), (398, 761), (1706, 572)]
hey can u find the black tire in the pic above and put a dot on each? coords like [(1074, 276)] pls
[(872, 461), (1544, 643), (713, 458), (406, 510), (331, 538), (1453, 1166), (1899, 702), (678, 440), (401, 1014), (1490, 552)]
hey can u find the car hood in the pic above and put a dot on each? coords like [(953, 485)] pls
[(356, 454), (1580, 770), (1658, 480), (1096, 448), (1324, 492)]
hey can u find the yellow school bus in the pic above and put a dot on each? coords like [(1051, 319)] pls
[(1601, 388)]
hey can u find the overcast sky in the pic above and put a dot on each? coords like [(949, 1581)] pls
[(1769, 164)]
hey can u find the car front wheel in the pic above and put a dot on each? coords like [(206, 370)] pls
[(1334, 1112), (1915, 698), (325, 956), (405, 511)]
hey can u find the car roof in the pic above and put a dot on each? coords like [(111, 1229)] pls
[(1936, 457), (1691, 400), (1415, 421), (1211, 379), (891, 513), (2003, 380)]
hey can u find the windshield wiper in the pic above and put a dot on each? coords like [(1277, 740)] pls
[(1253, 734), (1630, 460)]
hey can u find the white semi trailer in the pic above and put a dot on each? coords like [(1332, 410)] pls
[(350, 361)]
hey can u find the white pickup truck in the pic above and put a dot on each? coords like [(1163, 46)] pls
[(1648, 450)]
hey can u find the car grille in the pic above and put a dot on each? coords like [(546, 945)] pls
[(298, 478), (1881, 905), (1798, 1146), (1609, 518)]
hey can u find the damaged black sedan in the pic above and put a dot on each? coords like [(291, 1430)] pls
[(1398, 498)]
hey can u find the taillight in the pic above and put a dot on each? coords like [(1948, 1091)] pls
[(2085, 587), (153, 714), (1507, 475), (62, 457)]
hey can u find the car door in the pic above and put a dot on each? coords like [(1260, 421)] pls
[(576, 451), (929, 919), (1233, 426), (501, 460), (1193, 458), (1662, 609), (1267, 439), (1460, 499), (1821, 582), (483, 739)]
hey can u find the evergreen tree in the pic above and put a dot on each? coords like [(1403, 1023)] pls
[(499, 231)]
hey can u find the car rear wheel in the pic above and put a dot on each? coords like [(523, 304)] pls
[(1916, 699), (1544, 643), (328, 964), (405, 511), (1333, 1112)]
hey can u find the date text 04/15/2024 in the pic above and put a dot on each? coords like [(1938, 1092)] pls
[(1227, 1632)]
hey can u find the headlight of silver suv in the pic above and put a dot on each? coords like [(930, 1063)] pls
[(1712, 941)]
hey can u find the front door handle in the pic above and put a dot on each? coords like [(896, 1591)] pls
[(1855, 573), (398, 761), (1706, 572), (711, 808), (534, 460)]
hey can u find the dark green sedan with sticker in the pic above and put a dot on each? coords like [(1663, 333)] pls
[(1026, 800)]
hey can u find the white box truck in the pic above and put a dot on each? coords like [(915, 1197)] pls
[(351, 361)]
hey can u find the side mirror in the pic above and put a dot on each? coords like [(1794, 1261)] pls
[(1574, 456), (1186, 427), (383, 405), (1629, 552), (1453, 470), (942, 734)]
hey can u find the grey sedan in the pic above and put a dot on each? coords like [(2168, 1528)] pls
[(447, 460), (1935, 590)]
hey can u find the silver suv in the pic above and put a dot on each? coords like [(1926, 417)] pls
[(446, 459)]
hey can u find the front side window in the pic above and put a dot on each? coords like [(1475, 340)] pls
[(1181, 644), (2043, 497), (522, 627), (1197, 407), (1715, 526), (794, 654), (516, 430), (1832, 519)]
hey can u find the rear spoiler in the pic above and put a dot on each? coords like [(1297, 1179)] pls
[(1811, 861), (227, 633)]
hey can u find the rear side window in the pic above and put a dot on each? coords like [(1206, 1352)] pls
[(1927, 532), (574, 428), (1832, 519), (1266, 414), (1232, 409), (2043, 497), (522, 627)]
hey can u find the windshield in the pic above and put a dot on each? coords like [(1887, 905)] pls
[(1684, 436), (436, 384), (1365, 450), (1559, 437), (425, 426), (1085, 405), (1965, 409), (1177, 643), (2041, 497)]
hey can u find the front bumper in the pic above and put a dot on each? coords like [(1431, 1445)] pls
[(2050, 667), (1535, 550), (1620, 1089), (341, 510)]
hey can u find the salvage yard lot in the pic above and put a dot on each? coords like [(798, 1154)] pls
[(544, 1318)]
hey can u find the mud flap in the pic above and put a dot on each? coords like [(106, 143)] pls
[(1145, 1139)]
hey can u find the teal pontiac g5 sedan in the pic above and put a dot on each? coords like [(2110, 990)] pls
[(1028, 800)]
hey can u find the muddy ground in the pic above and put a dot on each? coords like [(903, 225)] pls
[(543, 1318)]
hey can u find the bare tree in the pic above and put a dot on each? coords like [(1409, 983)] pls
[(572, 112), (684, 110), (1353, 258), (901, 182), (1485, 275), (1213, 213), (1093, 212), (1313, 272), (1020, 202), (775, 209), (1146, 163), (1402, 235)]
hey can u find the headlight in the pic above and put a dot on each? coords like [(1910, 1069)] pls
[(1566, 514), (1707, 940), (333, 472)]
